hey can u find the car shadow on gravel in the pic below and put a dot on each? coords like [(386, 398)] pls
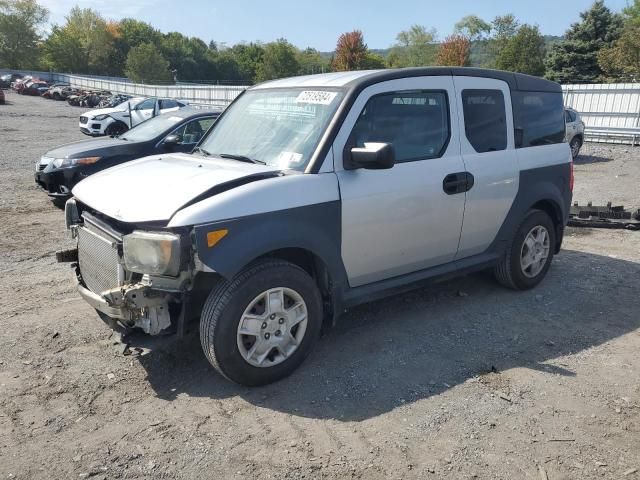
[(395, 351), (588, 159)]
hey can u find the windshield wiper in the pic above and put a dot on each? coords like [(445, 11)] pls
[(202, 151), (241, 158)]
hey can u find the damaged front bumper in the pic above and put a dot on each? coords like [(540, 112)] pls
[(134, 306)]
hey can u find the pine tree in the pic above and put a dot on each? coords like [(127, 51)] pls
[(575, 59)]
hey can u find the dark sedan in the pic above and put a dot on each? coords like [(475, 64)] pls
[(58, 170), (34, 88)]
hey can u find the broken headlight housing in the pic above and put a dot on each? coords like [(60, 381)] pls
[(152, 253)]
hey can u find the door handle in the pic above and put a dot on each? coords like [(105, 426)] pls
[(455, 183)]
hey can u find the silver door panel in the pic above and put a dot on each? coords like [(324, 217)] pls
[(399, 220), (496, 176)]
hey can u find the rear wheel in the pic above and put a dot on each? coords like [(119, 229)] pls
[(259, 327), (116, 129), (528, 258)]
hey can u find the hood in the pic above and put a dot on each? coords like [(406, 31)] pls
[(105, 111), (87, 148), (154, 188)]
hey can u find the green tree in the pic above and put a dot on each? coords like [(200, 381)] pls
[(280, 60), (414, 48), (621, 61), (524, 52), (83, 45), (472, 27), (248, 57), (19, 24), (351, 52), (312, 62), (575, 59), (145, 64)]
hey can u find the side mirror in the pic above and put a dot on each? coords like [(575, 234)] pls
[(172, 140), (374, 156)]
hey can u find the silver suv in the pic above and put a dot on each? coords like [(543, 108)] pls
[(575, 131), (313, 194)]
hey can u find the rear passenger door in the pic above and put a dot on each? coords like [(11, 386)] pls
[(487, 146), (400, 220)]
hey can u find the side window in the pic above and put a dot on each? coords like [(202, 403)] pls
[(485, 119), (193, 131), (168, 103), (567, 116), (147, 104), (538, 118), (416, 123)]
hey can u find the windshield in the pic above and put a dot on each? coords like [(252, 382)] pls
[(151, 128), (280, 127)]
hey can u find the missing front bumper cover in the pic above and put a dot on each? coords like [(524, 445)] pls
[(135, 306)]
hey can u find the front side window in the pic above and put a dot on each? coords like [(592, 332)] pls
[(147, 104), (416, 123), (538, 117), (280, 127), (485, 119), (191, 132)]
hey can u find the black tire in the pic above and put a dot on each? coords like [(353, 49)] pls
[(59, 202), (509, 272), (56, 96), (116, 128), (226, 304), (575, 145)]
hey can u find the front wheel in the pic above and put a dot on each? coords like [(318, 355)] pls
[(527, 260), (259, 327), (116, 129)]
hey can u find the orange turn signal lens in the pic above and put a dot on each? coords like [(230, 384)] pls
[(87, 160), (214, 237)]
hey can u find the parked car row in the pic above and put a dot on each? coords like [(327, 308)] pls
[(310, 195)]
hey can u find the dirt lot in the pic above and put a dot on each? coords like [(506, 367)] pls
[(460, 380)]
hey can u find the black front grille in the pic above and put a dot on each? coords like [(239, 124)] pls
[(84, 119), (42, 166)]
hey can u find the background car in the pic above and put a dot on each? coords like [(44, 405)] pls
[(8, 79), (34, 88), (117, 120), (58, 170), (54, 90), (575, 130)]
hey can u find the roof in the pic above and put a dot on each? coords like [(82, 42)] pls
[(188, 112), (363, 78)]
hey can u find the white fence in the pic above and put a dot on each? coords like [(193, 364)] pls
[(611, 112), (210, 95)]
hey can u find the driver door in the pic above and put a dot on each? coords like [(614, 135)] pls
[(402, 219), (143, 111)]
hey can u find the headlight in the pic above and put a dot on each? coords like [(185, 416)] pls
[(152, 253), (100, 117), (70, 162)]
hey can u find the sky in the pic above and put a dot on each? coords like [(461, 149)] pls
[(318, 24)]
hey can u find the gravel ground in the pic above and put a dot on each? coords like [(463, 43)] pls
[(459, 380)]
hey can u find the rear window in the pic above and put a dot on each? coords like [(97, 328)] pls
[(539, 118), (485, 120)]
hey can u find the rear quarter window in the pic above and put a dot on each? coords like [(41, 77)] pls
[(538, 117)]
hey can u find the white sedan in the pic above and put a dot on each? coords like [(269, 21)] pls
[(117, 120)]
